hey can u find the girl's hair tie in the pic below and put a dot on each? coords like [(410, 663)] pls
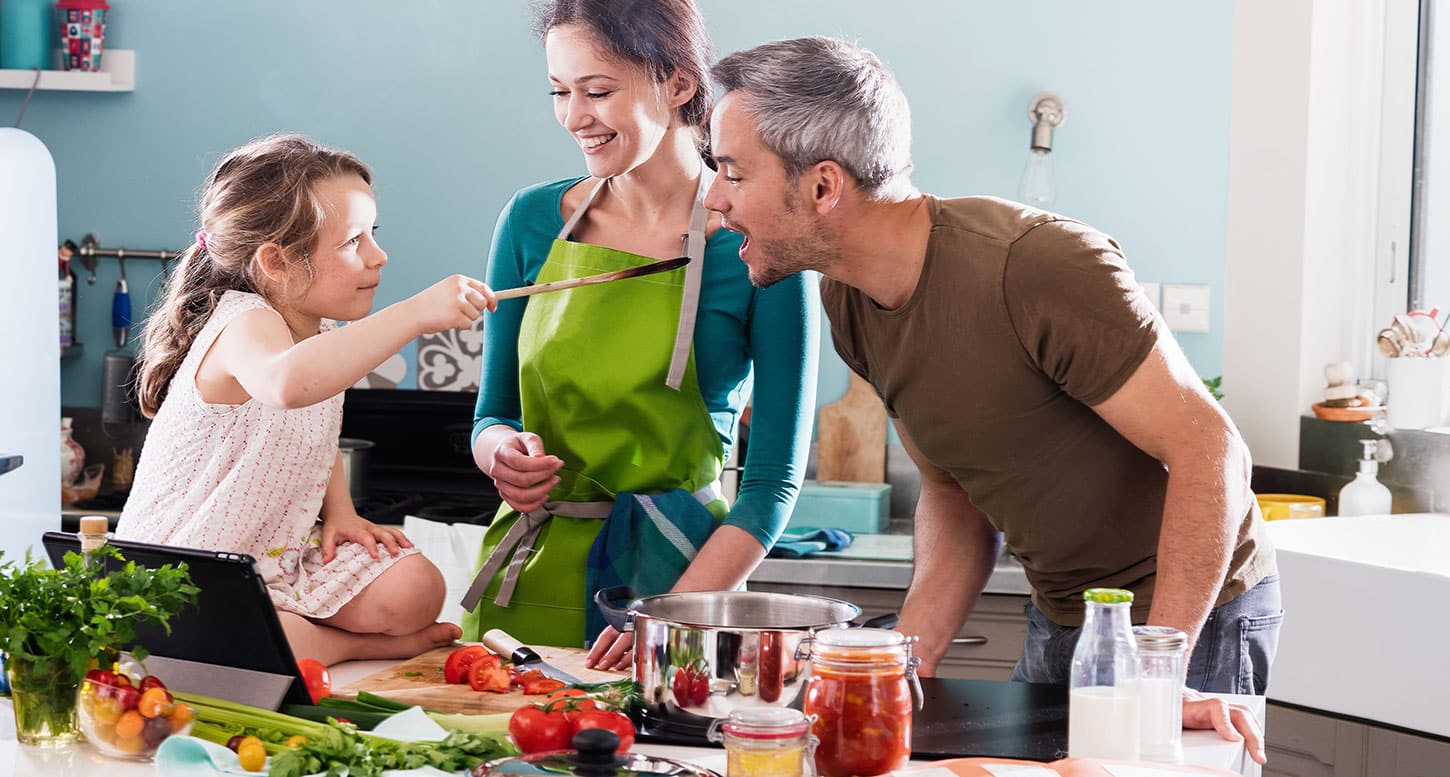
[(201, 239)]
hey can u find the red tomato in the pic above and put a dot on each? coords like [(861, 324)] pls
[(150, 681), (700, 688), (680, 686), (455, 668), (617, 722), (484, 675), (537, 731), (568, 701), (128, 697), (103, 681), (315, 677), (534, 682)]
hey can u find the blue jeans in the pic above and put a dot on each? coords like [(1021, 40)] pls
[(1233, 654)]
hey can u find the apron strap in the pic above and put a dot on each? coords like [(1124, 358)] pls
[(518, 542), (579, 211), (694, 274)]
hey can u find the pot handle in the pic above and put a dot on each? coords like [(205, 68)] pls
[(884, 621), (620, 618)]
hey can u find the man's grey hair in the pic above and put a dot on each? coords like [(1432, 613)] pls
[(817, 99)]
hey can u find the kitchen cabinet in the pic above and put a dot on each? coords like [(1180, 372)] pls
[(1304, 743), (986, 647)]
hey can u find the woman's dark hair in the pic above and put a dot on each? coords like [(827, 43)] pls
[(663, 36)]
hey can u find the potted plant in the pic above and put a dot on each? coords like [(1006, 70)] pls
[(55, 622)]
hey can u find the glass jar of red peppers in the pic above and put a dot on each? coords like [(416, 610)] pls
[(860, 692)]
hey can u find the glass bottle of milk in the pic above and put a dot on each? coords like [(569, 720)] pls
[(1103, 703)]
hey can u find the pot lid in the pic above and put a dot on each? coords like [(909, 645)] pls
[(595, 756)]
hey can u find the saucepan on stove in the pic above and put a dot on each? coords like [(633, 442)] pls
[(355, 456), (701, 655)]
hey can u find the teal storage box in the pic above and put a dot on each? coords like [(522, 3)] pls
[(862, 508)]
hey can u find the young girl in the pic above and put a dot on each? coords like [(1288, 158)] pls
[(244, 374)]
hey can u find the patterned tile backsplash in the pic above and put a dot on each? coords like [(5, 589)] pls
[(451, 360)]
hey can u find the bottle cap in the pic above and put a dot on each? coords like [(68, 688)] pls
[(1107, 595), (95, 524), (1159, 638)]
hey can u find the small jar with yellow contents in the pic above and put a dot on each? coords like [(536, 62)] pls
[(766, 742)]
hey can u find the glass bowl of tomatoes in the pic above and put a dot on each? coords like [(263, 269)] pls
[(126, 717)]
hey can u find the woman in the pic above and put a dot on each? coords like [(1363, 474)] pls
[(605, 412)]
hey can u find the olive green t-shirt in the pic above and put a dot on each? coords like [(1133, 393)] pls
[(1021, 322)]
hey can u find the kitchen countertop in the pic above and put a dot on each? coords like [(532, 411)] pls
[(1203, 748), (877, 561)]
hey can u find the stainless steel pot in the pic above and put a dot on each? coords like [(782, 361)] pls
[(355, 456), (701, 655)]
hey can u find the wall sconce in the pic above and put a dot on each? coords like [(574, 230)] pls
[(1047, 113)]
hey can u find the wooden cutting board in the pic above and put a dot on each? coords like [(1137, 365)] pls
[(420, 681), (851, 436)]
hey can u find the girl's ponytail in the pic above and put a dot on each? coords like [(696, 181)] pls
[(187, 303)]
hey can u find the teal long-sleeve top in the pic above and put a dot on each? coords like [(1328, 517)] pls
[(765, 339)]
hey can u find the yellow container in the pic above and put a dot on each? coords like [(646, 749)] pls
[(1277, 507)]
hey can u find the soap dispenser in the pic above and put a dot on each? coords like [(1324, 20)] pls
[(1365, 495)]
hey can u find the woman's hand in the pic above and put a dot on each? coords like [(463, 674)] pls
[(351, 527), (452, 303), (612, 650), (1233, 722), (522, 471)]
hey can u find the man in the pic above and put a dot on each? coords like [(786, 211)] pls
[(1035, 387)]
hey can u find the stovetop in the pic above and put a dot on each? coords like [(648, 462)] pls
[(421, 463), (390, 506)]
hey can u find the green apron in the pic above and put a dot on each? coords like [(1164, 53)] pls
[(607, 380)]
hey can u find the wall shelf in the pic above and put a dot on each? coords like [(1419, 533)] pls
[(117, 74)]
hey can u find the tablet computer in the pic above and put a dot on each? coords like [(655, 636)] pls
[(230, 644)]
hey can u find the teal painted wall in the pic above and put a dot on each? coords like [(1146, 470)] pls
[(446, 100)]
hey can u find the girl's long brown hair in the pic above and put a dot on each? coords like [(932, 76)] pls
[(263, 192)]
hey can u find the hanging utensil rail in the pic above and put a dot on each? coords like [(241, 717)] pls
[(90, 250)]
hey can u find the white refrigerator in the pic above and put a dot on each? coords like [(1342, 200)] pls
[(29, 344)]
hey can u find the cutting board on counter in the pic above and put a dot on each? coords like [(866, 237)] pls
[(851, 436), (420, 681)]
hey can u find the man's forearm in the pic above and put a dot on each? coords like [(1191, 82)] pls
[(955, 548), (1201, 514)]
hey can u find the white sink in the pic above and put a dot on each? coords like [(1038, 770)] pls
[(1366, 617)]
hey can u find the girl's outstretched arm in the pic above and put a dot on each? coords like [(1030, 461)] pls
[(258, 352)]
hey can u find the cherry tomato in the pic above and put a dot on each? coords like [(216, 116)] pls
[(315, 677), (103, 682), (617, 722), (455, 668), (150, 681), (699, 689), (680, 686), (537, 731), (128, 697)]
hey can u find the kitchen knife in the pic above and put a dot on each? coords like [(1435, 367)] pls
[(503, 643), (589, 280)]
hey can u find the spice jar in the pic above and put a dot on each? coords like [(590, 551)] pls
[(1160, 691), (766, 742), (860, 693)]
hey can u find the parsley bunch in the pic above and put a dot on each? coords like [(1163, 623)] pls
[(54, 621)]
